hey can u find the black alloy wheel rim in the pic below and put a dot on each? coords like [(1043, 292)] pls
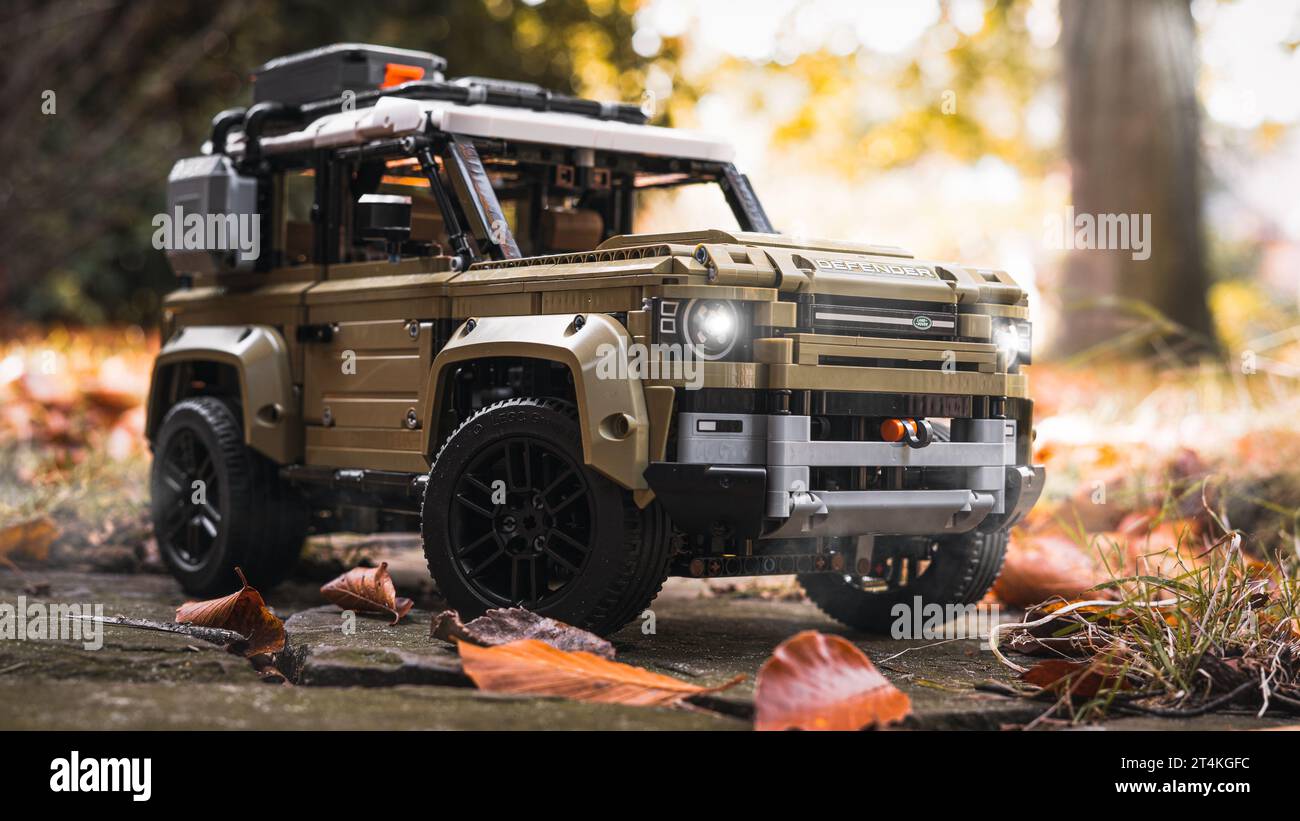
[(190, 522), (521, 523)]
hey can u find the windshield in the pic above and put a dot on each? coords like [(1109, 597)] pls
[(476, 201)]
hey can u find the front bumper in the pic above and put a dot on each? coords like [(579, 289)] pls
[(750, 475)]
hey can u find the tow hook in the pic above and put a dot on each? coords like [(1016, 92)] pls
[(920, 433), (917, 433)]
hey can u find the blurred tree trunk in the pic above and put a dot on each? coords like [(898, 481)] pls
[(1134, 143)]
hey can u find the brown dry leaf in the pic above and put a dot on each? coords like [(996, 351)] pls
[(1044, 566), (244, 612), (30, 539), (1076, 634), (818, 682), (1077, 678), (1158, 548), (369, 589), (536, 668), (504, 625)]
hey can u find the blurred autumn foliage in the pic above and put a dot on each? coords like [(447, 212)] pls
[(1147, 467), (66, 396), (72, 448)]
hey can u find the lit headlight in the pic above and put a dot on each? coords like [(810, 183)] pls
[(1015, 339), (711, 327)]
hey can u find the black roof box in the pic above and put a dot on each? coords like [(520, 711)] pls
[(331, 70)]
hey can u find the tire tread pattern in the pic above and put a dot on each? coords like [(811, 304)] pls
[(647, 536)]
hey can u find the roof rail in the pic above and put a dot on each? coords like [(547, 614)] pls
[(476, 91)]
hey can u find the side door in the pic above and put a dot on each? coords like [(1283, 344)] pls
[(371, 343)]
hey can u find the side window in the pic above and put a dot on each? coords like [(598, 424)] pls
[(299, 192), (399, 178)]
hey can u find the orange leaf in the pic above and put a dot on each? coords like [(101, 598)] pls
[(818, 682), (1077, 678), (244, 612), (1044, 566), (369, 589), (536, 668), (31, 538)]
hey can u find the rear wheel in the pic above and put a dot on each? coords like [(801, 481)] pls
[(949, 570), (512, 517), (216, 504)]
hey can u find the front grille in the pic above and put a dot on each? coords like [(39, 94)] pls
[(909, 364), (858, 316)]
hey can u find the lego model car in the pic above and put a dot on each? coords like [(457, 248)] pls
[(413, 303)]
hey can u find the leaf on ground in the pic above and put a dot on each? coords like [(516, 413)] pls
[(31, 539), (818, 682), (244, 612), (1076, 678), (1043, 566), (504, 625), (1071, 635), (368, 589), (532, 667)]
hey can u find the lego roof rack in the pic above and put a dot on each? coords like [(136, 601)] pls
[(325, 80)]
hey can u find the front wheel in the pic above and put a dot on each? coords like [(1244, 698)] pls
[(512, 517), (956, 569)]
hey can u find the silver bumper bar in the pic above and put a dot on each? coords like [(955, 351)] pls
[(978, 467)]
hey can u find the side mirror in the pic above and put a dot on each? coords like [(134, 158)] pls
[(385, 217)]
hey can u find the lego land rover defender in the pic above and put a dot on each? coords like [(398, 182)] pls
[(446, 324)]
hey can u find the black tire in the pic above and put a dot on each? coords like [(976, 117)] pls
[(584, 554), (250, 519), (961, 570)]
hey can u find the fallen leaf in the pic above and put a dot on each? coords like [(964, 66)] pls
[(532, 667), (244, 612), (1044, 566), (369, 589), (30, 539), (818, 682), (1077, 678), (504, 625), (1070, 635)]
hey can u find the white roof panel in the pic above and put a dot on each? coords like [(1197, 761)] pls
[(556, 128), (397, 116)]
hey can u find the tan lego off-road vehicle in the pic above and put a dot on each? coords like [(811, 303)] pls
[(417, 304)]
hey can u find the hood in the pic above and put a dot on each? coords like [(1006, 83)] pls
[(833, 267)]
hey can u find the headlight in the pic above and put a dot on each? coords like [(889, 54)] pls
[(710, 327), (1015, 339)]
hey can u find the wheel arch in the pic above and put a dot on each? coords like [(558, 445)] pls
[(249, 363), (612, 411)]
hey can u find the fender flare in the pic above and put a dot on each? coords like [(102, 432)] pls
[(259, 355), (612, 411)]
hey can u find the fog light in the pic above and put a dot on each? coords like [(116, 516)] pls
[(894, 430)]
